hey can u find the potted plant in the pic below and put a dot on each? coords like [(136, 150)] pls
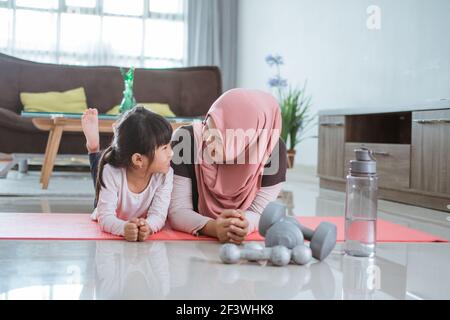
[(295, 109)]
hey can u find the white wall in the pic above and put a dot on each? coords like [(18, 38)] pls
[(406, 62)]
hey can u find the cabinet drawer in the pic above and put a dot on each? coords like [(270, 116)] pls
[(331, 146), (430, 158), (393, 162)]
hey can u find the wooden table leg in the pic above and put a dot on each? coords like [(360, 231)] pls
[(52, 152), (47, 149)]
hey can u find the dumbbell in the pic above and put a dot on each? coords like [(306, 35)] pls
[(278, 229), (322, 240), (278, 255)]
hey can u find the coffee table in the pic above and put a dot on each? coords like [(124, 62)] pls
[(58, 123)]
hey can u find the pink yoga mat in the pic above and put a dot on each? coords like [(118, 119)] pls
[(65, 226)]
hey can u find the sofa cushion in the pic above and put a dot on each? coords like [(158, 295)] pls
[(71, 101)]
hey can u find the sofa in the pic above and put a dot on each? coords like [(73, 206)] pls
[(188, 91)]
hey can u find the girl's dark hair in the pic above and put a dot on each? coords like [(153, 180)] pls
[(137, 131)]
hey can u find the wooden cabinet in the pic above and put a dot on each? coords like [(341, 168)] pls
[(412, 149), (331, 146), (393, 165), (430, 161)]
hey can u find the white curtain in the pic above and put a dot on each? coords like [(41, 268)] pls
[(140, 33), (212, 36)]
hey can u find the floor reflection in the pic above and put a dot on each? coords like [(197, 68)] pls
[(192, 270), (131, 271), (361, 278)]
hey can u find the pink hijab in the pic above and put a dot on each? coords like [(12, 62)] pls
[(234, 186)]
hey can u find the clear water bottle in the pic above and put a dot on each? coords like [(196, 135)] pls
[(361, 205)]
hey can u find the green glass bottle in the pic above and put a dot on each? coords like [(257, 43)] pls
[(128, 100)]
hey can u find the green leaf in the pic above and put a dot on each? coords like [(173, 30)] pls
[(295, 108)]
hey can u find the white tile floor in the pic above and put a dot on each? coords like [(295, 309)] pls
[(192, 270)]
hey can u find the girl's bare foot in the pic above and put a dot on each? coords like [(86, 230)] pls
[(89, 123)]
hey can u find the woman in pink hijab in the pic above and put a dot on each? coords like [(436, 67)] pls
[(229, 167)]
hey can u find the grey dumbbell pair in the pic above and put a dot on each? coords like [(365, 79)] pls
[(284, 240), (279, 229), (278, 255)]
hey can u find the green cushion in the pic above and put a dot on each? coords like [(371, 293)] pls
[(73, 101)]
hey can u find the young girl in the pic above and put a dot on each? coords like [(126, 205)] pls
[(133, 177)]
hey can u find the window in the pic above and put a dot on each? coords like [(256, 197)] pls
[(123, 34), (140, 33), (81, 3), (156, 42), (71, 44), (42, 36), (5, 27), (41, 4), (135, 8), (166, 7)]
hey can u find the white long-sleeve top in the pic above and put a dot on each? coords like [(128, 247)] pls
[(117, 204), (182, 216)]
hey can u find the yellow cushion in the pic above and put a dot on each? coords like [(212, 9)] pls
[(71, 101), (162, 109)]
